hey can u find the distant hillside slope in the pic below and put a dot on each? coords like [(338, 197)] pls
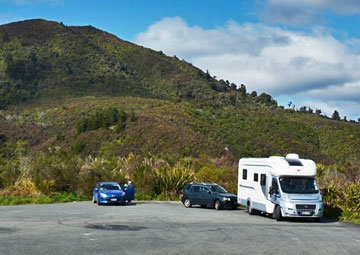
[(176, 130), (172, 108), (43, 59)]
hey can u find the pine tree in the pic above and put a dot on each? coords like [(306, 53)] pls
[(335, 115)]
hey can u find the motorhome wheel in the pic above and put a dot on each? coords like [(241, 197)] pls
[(278, 216), (250, 209)]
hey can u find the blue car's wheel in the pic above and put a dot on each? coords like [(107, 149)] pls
[(98, 202)]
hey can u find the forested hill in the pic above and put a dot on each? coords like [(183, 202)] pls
[(42, 59), (84, 92)]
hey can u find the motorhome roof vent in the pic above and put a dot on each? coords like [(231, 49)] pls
[(293, 160), (292, 156)]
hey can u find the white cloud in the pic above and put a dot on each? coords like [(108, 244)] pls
[(304, 12), (266, 59), (328, 108)]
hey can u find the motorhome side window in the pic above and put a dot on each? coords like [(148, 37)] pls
[(256, 177), (244, 174), (263, 179)]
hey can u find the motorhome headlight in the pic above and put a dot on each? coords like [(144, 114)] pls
[(288, 206), (226, 198), (286, 197), (320, 198)]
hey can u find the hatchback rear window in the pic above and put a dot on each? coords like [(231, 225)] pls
[(187, 187), (195, 189)]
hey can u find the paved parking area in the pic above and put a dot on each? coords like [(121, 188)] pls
[(164, 228)]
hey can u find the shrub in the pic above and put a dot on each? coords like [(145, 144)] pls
[(96, 170), (79, 146), (170, 181), (343, 184)]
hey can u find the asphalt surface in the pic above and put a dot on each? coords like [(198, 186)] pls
[(164, 228)]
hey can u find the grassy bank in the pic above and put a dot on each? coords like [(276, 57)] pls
[(21, 199)]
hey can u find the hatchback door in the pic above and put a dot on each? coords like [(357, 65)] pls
[(206, 196), (194, 195)]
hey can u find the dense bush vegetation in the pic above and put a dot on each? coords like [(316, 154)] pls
[(343, 185)]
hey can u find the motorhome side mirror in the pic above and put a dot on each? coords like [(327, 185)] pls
[(324, 191), (271, 190)]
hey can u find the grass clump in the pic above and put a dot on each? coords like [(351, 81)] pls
[(61, 197)]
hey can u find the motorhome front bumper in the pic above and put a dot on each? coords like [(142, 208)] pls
[(303, 210)]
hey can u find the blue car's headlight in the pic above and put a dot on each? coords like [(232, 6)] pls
[(103, 195)]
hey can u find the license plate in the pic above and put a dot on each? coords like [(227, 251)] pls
[(114, 199), (305, 213)]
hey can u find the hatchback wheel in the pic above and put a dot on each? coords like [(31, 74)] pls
[(187, 203), (217, 205)]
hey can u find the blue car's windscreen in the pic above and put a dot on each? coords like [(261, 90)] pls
[(109, 187)]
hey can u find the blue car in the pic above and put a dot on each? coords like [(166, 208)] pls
[(112, 193)]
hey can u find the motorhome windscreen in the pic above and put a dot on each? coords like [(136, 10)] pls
[(298, 185), (217, 189)]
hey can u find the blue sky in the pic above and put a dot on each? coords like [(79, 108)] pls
[(127, 18), (304, 51)]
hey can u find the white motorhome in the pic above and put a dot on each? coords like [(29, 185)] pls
[(281, 186)]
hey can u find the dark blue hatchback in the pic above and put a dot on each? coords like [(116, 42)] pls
[(112, 193), (208, 195)]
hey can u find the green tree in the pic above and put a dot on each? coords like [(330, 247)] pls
[(336, 115)]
